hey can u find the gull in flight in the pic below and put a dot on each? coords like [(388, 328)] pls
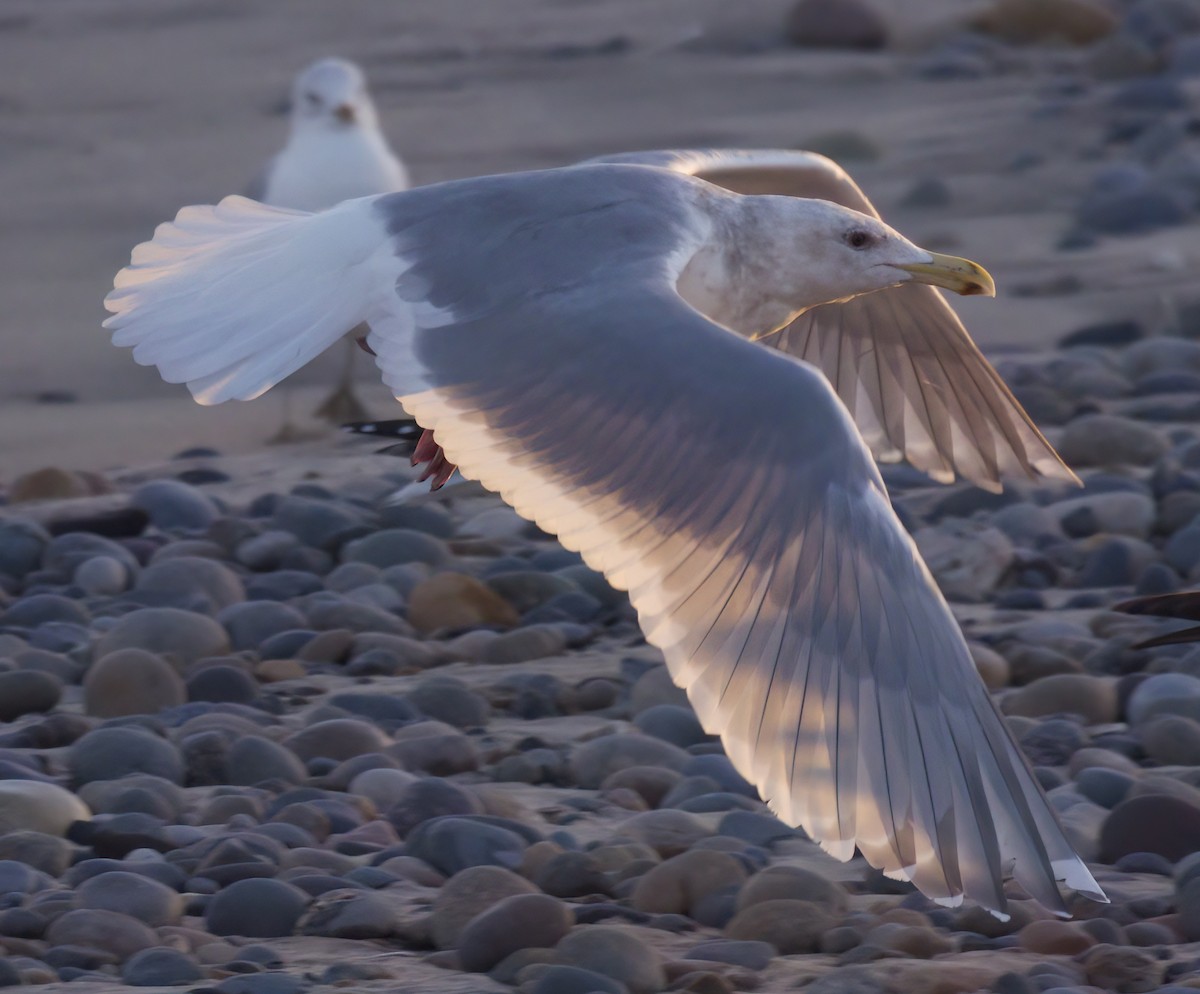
[(578, 341), (335, 151)]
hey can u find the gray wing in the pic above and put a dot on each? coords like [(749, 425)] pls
[(725, 488), (915, 383)]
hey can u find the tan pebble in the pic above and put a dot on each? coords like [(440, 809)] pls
[(276, 670)]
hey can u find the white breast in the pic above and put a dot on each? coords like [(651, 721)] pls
[(318, 169)]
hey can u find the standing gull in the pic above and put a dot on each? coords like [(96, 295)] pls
[(335, 152), (573, 337)]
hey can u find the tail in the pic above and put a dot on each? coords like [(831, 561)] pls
[(232, 299)]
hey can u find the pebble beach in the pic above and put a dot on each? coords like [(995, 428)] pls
[(275, 720)]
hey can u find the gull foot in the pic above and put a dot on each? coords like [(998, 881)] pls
[(439, 469)]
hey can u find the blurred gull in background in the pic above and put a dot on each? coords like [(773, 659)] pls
[(335, 152)]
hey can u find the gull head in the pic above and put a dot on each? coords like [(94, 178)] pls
[(834, 253), (332, 95)]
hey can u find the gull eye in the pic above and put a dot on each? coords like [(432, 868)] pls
[(859, 239)]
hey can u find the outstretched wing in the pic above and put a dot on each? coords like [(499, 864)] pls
[(915, 383), (532, 322)]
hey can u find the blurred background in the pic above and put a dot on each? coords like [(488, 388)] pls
[(1055, 141)]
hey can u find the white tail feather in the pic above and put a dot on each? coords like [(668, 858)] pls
[(232, 299)]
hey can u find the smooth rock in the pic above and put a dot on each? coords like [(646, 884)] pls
[(165, 631), (118, 934), (454, 843), (1026, 22), (852, 24), (338, 738), (257, 907), (522, 921), (614, 952), (27, 692), (29, 805), (790, 926), (1164, 693), (175, 506), (131, 681), (1110, 440), (594, 761), (1093, 698), (394, 546), (112, 753), (160, 967), (131, 894), (680, 884), (1171, 740), (966, 560), (1165, 825), (455, 601), (253, 759), (792, 883), (467, 894)]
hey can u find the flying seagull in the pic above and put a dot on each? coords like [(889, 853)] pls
[(576, 338), (335, 151)]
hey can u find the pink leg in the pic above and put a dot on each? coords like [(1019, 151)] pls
[(439, 468), (427, 449)]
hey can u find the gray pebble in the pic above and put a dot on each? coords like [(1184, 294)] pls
[(160, 967), (22, 544), (428, 798), (1164, 693), (118, 934), (524, 644), (518, 922), (131, 894), (41, 609), (166, 631), (130, 681), (467, 894), (27, 692), (338, 738), (269, 551), (222, 683), (258, 907), (558, 979), (671, 723), (750, 954), (321, 524), (101, 576), (111, 753), (251, 623), (282, 585), (1110, 440), (175, 506), (454, 843), (592, 762), (393, 546), (614, 953), (192, 583), (450, 700)]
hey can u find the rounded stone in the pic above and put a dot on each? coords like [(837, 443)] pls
[(427, 798), (191, 582), (1119, 968), (522, 921), (115, 933), (33, 806), (394, 546), (668, 832), (101, 576), (1164, 693), (22, 544), (1054, 938), (747, 953), (131, 681), (450, 700), (27, 692), (166, 631), (614, 952), (1168, 826), (558, 979), (252, 759), (258, 907), (671, 723), (338, 738), (1110, 440), (222, 684), (790, 926), (453, 843), (160, 967), (454, 601), (112, 753), (679, 885), (1171, 740), (467, 894), (592, 762), (1093, 698), (851, 24), (793, 883), (175, 506), (131, 894), (251, 623)]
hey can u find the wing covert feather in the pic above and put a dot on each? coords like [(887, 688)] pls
[(748, 522)]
